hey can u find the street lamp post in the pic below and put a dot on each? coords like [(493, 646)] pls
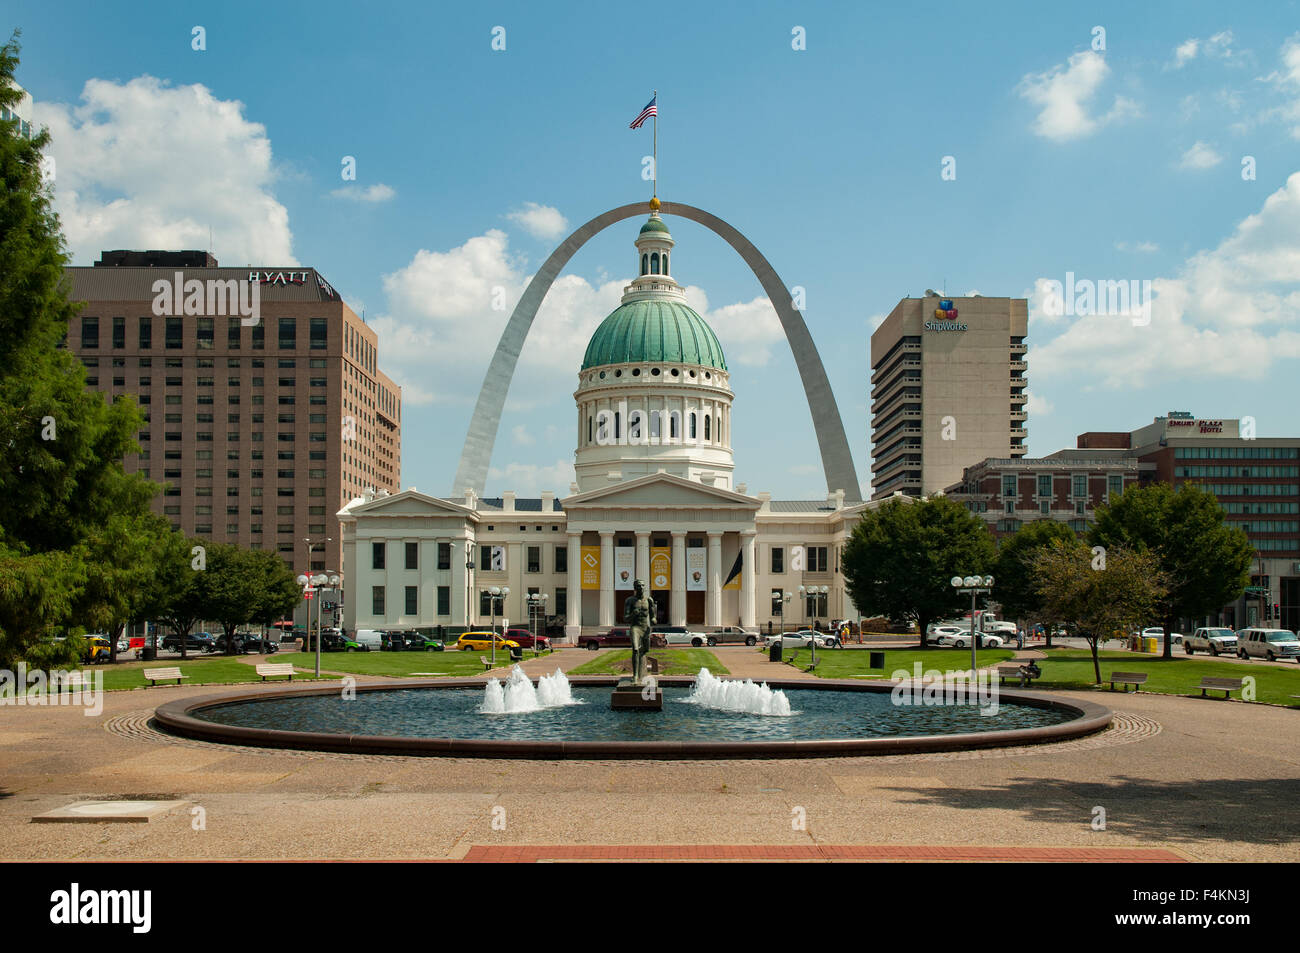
[(974, 585), (307, 580), (785, 601), (494, 593), (536, 601)]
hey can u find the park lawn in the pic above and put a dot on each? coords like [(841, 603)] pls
[(1177, 676), (217, 670), (846, 663), (671, 662), (399, 664)]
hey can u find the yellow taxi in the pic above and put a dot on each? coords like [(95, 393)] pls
[(482, 641)]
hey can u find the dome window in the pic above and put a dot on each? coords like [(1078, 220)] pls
[(618, 373), (636, 372), (665, 263), (654, 263), (676, 372), (690, 428), (617, 424), (707, 418), (692, 373), (588, 430), (655, 372), (602, 375), (645, 264)]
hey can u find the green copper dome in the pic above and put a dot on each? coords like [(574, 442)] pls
[(654, 330), (654, 225)]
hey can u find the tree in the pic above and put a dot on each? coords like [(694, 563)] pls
[(242, 585), (1206, 561), (901, 557), (61, 475), (1013, 572), (177, 598), (1097, 603)]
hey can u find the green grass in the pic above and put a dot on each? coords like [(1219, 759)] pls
[(1065, 668), (846, 663), (399, 664), (671, 662), (216, 670)]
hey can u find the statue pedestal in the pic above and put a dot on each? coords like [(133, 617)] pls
[(629, 695)]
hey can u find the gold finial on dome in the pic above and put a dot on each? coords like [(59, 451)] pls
[(654, 203)]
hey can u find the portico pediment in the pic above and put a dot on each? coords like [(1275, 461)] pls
[(411, 503), (660, 490)]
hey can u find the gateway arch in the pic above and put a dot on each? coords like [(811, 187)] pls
[(837, 461)]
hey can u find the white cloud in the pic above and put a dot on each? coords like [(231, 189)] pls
[(1286, 82), (1230, 307), (1218, 46), (1200, 156), (1064, 93), (746, 330), (143, 164), (1037, 406), (1185, 52), (530, 479), (375, 193), (1144, 247), (522, 435), (540, 221)]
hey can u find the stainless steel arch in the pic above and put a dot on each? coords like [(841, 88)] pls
[(837, 460)]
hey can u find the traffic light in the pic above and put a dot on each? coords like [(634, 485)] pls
[(1277, 610)]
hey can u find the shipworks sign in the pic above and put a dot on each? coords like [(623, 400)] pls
[(945, 318)]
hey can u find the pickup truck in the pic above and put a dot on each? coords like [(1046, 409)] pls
[(731, 635), (616, 638)]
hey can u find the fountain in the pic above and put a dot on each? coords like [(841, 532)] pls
[(745, 697), (519, 695)]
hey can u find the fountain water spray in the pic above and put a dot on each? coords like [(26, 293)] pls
[(519, 695), (746, 696)]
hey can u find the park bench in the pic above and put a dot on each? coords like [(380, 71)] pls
[(1017, 672), (652, 665), (1225, 685), (272, 669), (155, 675), (487, 663), (1128, 678)]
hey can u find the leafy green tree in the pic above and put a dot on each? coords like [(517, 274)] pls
[(901, 557), (1013, 571), (1096, 602), (177, 599), (61, 477), (1205, 560), (242, 585)]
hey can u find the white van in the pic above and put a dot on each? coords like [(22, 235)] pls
[(368, 639)]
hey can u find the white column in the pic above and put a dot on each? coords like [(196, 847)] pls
[(677, 603), (713, 604), (643, 558), (573, 615), (606, 577), (747, 569)]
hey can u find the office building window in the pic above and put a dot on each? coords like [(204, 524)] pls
[(146, 334), (288, 334), (259, 337), (90, 332), (119, 333), (1080, 485), (319, 334), (204, 333), (1009, 486), (1044, 484), (232, 337), (1114, 485), (174, 333)]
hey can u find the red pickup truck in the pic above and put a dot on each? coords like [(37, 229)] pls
[(525, 639), (616, 638)]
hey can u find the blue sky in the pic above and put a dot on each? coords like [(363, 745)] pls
[(1122, 163)]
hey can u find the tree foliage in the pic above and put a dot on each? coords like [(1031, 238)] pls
[(900, 558), (1017, 589)]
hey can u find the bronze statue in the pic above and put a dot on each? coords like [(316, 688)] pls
[(639, 616)]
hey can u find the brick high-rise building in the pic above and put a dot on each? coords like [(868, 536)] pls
[(262, 432)]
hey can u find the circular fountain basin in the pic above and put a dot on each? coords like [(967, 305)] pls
[(828, 718)]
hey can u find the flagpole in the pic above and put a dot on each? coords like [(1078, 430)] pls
[(656, 144)]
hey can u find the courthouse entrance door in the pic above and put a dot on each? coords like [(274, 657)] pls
[(694, 608)]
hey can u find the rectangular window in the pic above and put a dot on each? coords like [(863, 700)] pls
[(817, 561), (561, 559), (175, 334), (90, 332), (1044, 485), (561, 601), (146, 334), (119, 333), (1114, 485), (412, 555), (377, 601), (485, 558), (1080, 485), (534, 559), (412, 600), (444, 600), (1009, 486), (288, 334), (319, 334), (778, 559), (377, 555), (204, 333), (232, 337)]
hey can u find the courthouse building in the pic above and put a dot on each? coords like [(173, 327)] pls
[(655, 498)]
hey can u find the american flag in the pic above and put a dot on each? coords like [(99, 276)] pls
[(650, 110)]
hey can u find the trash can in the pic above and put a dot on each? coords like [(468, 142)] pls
[(877, 659), (516, 654), (148, 654), (774, 652)]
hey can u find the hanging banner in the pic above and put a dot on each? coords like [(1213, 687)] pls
[(498, 559), (661, 567), (696, 565), (624, 567), (590, 567), (733, 578)]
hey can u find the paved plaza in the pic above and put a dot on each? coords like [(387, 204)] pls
[(1178, 779)]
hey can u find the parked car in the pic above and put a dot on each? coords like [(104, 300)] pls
[(370, 640), (935, 631), (194, 641), (680, 635), (416, 642), (98, 649), (482, 642), (732, 635), (525, 639), (802, 638), (1216, 641), (616, 638), (246, 642), (1270, 644), (961, 639)]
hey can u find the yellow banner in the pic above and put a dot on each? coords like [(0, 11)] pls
[(590, 567), (661, 567)]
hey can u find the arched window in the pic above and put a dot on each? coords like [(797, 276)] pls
[(645, 264), (707, 418), (691, 426), (672, 425), (634, 425), (588, 430), (617, 424), (665, 263), (654, 263)]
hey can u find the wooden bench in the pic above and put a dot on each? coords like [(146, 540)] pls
[(1128, 678), (1225, 685), (272, 669), (155, 675)]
